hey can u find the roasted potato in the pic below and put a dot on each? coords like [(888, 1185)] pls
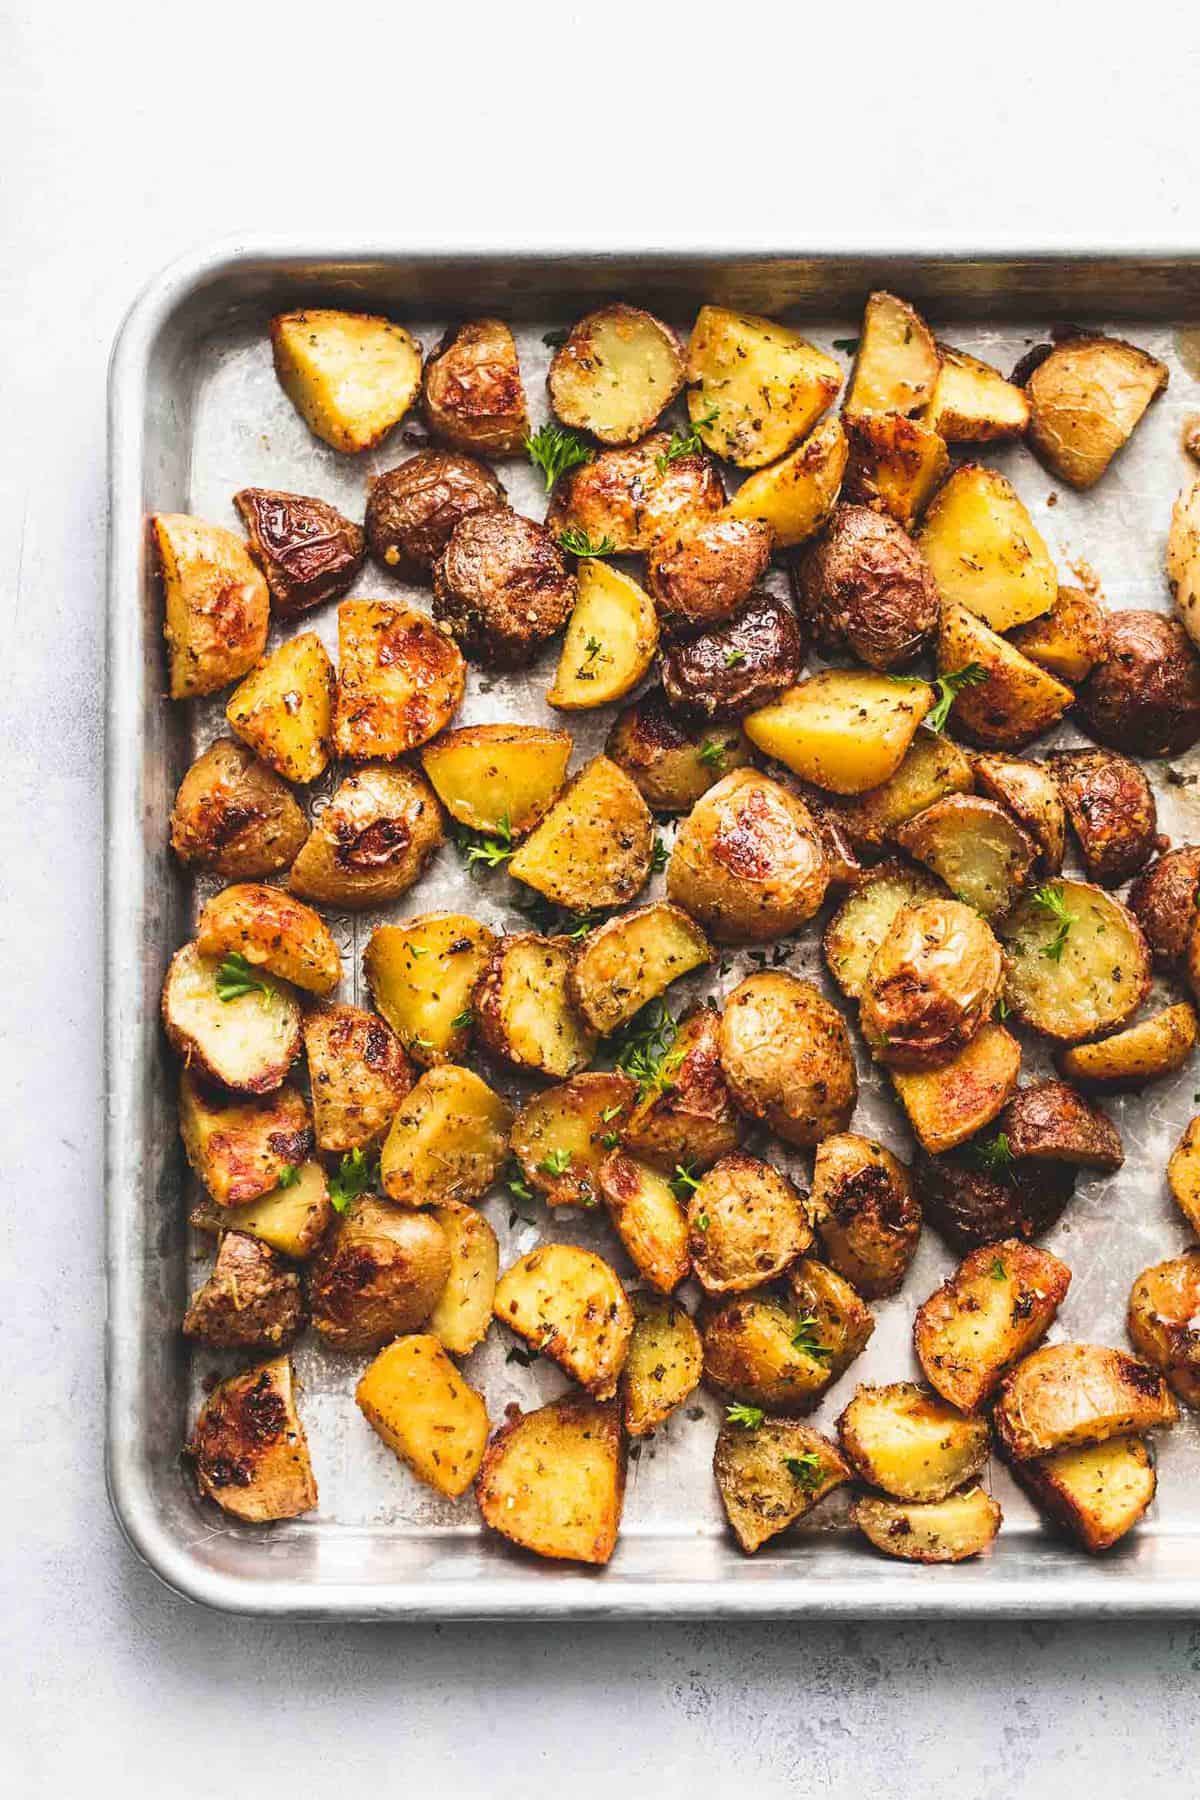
[(842, 861), (771, 1474), (933, 768), (498, 778), (523, 1007), (1002, 700), (690, 1119), (291, 1219), (553, 1481), (795, 496), (1183, 559), (972, 402), (866, 916), (248, 1446), (1049, 1122), (471, 392), (284, 709), (233, 815), (637, 495), (948, 1105), (894, 466), (269, 930), (239, 1149), (593, 848), (647, 1218), (984, 857), (1098, 1493), (785, 1053), (501, 588), (747, 1224), (1077, 961), (412, 509), (359, 1076), (942, 1531), (670, 763), (994, 1308), (350, 376), (728, 670), (866, 1217), (216, 604), (664, 1364), (978, 1193), (1030, 794), (748, 860), (400, 680), (985, 551), (371, 842), (755, 387), (836, 1316), (701, 575), (932, 984), (1067, 1395), (911, 1443), (624, 963), (758, 1351), (843, 729), (308, 551), (569, 1305), (610, 640), (460, 1319), (415, 1399), (422, 975), (863, 586), (1070, 639), (1085, 399), (250, 1301), (378, 1275), (230, 1025), (1145, 1051), (1163, 900), (897, 359), (562, 1136), (619, 369), (446, 1141), (1144, 696), (1111, 809), (1183, 1174), (1163, 1307)]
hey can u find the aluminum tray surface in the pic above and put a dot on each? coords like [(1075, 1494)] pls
[(195, 413)]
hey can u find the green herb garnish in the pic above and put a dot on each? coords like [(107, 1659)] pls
[(554, 449), (1050, 899), (805, 1468), (993, 1154), (741, 1414), (646, 1050), (461, 1020), (556, 1161), (289, 1175), (354, 1176), (685, 443), (849, 345), (235, 977), (578, 543), (804, 1337), (660, 856), (524, 1359), (998, 1271), (734, 659), (489, 849), (702, 1222), (517, 1186), (683, 1181), (948, 689), (554, 340), (712, 753)]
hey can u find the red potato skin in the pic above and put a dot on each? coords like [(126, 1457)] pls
[(1144, 698), (864, 586), (727, 672), (1163, 901), (1111, 808)]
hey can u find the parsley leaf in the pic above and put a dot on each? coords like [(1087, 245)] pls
[(289, 1175), (805, 1338), (685, 443), (660, 856), (683, 1181), (525, 1359), (517, 1186), (993, 1154), (849, 345), (235, 977), (740, 1414), (646, 1049), (354, 1176), (1050, 899), (555, 449), (481, 847), (461, 1020), (805, 1468), (702, 1222), (948, 689), (556, 1161), (998, 1271), (712, 753), (734, 659), (578, 543)]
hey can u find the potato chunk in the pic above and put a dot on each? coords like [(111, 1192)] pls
[(359, 1076), (249, 1449), (1098, 1493), (785, 1053), (755, 386), (1163, 1307), (351, 376), (628, 961), (619, 369), (1006, 701), (523, 1007), (463, 1311), (1085, 399), (1067, 1395), (1183, 559), (1143, 697), (972, 402), (553, 1481), (569, 1305), (1183, 1174), (422, 976), (748, 862), (863, 586), (690, 1121), (1077, 961), (1111, 808), (240, 1148), (647, 1218), (291, 1219), (400, 679), (895, 465), (472, 391), (562, 1136), (1148, 1050), (972, 844), (673, 764), (1030, 793), (378, 1275), (865, 917), (216, 601), (284, 709), (271, 931), (842, 729), (494, 777), (985, 551), (948, 1105), (796, 495), (897, 360), (702, 575), (237, 1028), (998, 1303), (1048, 1122), (911, 1443), (834, 1316), (415, 1399), (610, 640), (771, 1474), (636, 496), (447, 1140), (1163, 900), (308, 551), (933, 769), (664, 1364), (747, 1225), (944, 1531), (932, 985), (1070, 639), (234, 816), (761, 1352), (863, 1208), (371, 842), (250, 1301), (592, 849)]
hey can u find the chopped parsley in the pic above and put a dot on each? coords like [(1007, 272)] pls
[(749, 1416), (524, 1359), (578, 543), (683, 1182), (948, 689), (805, 1468), (489, 849), (235, 977), (1050, 899), (849, 345), (646, 1050), (660, 856), (685, 443), (734, 659), (289, 1175), (712, 753), (805, 1338), (354, 1176), (461, 1020), (554, 449), (556, 1161), (554, 340), (998, 1270)]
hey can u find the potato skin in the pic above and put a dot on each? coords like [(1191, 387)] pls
[(863, 1207), (471, 390), (251, 1300), (359, 1076), (1071, 1394), (692, 1122), (750, 1354), (1148, 1050), (1163, 1304), (762, 1495), (378, 1275), (1086, 398), (1111, 808), (864, 586), (748, 861), (502, 588), (249, 1449), (993, 1309), (624, 495), (413, 509), (932, 984), (217, 608), (786, 1056), (1144, 697), (747, 1224), (1070, 639), (969, 1205), (372, 841), (730, 670), (701, 575), (1163, 901), (235, 816), (1047, 1121), (520, 964), (672, 764), (308, 550), (272, 931)]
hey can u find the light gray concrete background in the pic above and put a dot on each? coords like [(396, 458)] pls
[(131, 132)]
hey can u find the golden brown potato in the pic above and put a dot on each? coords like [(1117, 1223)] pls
[(843, 729), (786, 1056), (911, 1443), (795, 496), (863, 586), (748, 861), (553, 1481), (284, 709), (422, 976), (561, 1136), (1144, 696), (647, 1218), (1006, 701), (865, 917), (987, 1315), (593, 848), (1111, 809), (755, 387), (834, 1314), (670, 763), (1183, 559), (1031, 795), (932, 985), (472, 393), (729, 669), (624, 963), (897, 359), (250, 1301), (637, 495), (1163, 1306), (1070, 639), (400, 680), (523, 1007), (972, 402), (610, 640), (501, 588), (233, 815), (216, 605), (1085, 399), (359, 1076), (249, 1449), (895, 465), (747, 1224), (460, 1319), (240, 1148), (371, 842), (981, 1193), (689, 1119), (1146, 1051), (771, 1474), (759, 1351), (569, 1305), (291, 1219), (863, 1208), (1066, 1395), (948, 1105), (498, 778), (271, 931), (412, 509), (1046, 1121), (1183, 1174), (308, 551), (933, 768), (984, 857), (943, 1531), (701, 575), (1163, 900), (229, 1024), (619, 369), (664, 1364), (378, 1275), (446, 1141), (985, 551), (1077, 961), (350, 376), (1098, 1493), (415, 1399)]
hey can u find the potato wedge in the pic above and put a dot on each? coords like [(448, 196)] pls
[(647, 1218), (980, 1193), (494, 777), (1098, 1493), (240, 1148), (972, 402), (463, 1311), (1070, 639), (843, 729), (291, 1219), (1163, 1305), (269, 930), (786, 1056), (371, 842), (772, 1474), (690, 1121), (864, 587), (610, 640), (796, 495), (835, 1314), (350, 376), (308, 550), (472, 393), (446, 1141), (233, 815), (1111, 808), (569, 1305), (553, 1481), (701, 576), (523, 1007), (863, 1208), (664, 1364), (1030, 794), (592, 850), (250, 1301), (400, 679), (747, 1224), (999, 1302), (1011, 700), (948, 1105), (1085, 399), (1146, 1051), (748, 861), (911, 1443), (414, 1398), (378, 1274), (422, 975), (755, 387), (894, 465), (1183, 559), (761, 1351), (241, 1030), (673, 764), (1163, 900), (1067, 1395), (284, 709), (619, 369), (636, 496), (1183, 1174), (985, 551), (984, 857), (897, 359), (359, 1076), (1048, 1122), (932, 985), (1143, 698), (933, 768), (1077, 961), (628, 961), (863, 920), (248, 1446), (943, 1531), (562, 1136), (217, 609), (412, 510)]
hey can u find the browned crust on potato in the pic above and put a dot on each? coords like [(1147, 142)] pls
[(1066, 1395), (700, 576), (786, 1056), (1047, 1121), (962, 1345), (729, 670), (932, 985), (308, 550), (1163, 901), (863, 1206), (864, 586), (1144, 697), (624, 494), (1111, 809), (378, 1275), (969, 1203), (501, 587), (249, 1449), (412, 509), (748, 861), (471, 390), (251, 1300), (235, 816)]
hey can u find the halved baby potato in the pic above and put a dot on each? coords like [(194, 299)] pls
[(1077, 961), (866, 1216), (553, 1481), (414, 1398), (291, 1219), (772, 1474), (933, 768), (664, 1364), (593, 848), (495, 778), (1085, 399), (895, 465), (351, 376), (1048, 1122), (911, 1443), (463, 1310), (240, 1148), (371, 842), (523, 1007), (271, 931), (1111, 808), (673, 763), (1098, 1493), (284, 709), (618, 370), (250, 1299), (948, 1105), (836, 1316), (628, 961), (248, 1446), (1183, 1175), (569, 1305), (1070, 639), (1067, 1395), (359, 1076), (786, 1056), (472, 393), (1030, 793), (985, 551), (748, 861), (972, 402), (747, 1225), (866, 915), (636, 496), (422, 974), (1146, 1051), (975, 847), (562, 1136), (1163, 1307), (216, 603), (758, 1350), (1010, 700), (610, 640), (378, 1275), (241, 1030), (234, 816), (897, 360), (844, 729), (690, 1121), (400, 679), (998, 1303), (755, 386), (446, 1141), (942, 1531), (932, 985), (796, 495), (647, 1218)]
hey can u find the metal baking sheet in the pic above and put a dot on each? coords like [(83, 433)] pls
[(195, 413)]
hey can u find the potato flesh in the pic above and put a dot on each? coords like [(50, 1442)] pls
[(842, 729), (292, 1220), (569, 1305), (985, 551), (1183, 559), (215, 600), (1099, 1493), (422, 975), (972, 844), (239, 1149), (447, 1141), (553, 1481), (1070, 639), (932, 769), (618, 370), (1085, 400), (648, 1219), (271, 931), (844, 1323), (947, 1106), (1183, 1175), (972, 402), (796, 495), (772, 1475), (463, 1312), (1068, 1395), (525, 1010), (593, 848), (1100, 976), (562, 1136), (767, 385), (897, 361), (414, 1398), (895, 465), (1149, 1050), (944, 1531), (1031, 795), (751, 1354), (628, 961), (284, 709), (911, 1443), (249, 1043), (991, 1311), (1014, 702), (663, 1367), (400, 679), (351, 376), (359, 1075), (490, 777), (610, 640), (866, 916)]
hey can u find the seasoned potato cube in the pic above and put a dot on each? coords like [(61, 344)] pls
[(562, 1136), (636, 496), (1163, 1307), (1030, 793), (569, 1305), (250, 1300), (249, 1449), (932, 985), (234, 816), (592, 850), (1008, 700), (400, 679), (216, 601), (463, 1311), (628, 961), (372, 841), (759, 1351), (796, 495), (447, 1140), (1147, 1051), (989, 1313), (866, 916), (835, 1316), (359, 1076), (350, 376), (379, 1274), (1099, 1493), (1048, 1122), (749, 860), (1183, 559), (664, 1364), (291, 1219), (618, 370), (747, 1224), (523, 1007), (647, 1218), (553, 1481), (1085, 399), (1077, 961), (933, 768), (610, 640), (771, 1474), (755, 386), (498, 777), (895, 465), (502, 588), (939, 1532), (415, 1399), (1065, 1395), (985, 551), (472, 391), (948, 1105), (422, 975), (1111, 808), (897, 360), (271, 931), (911, 1443), (237, 1028), (239, 1149), (308, 551), (670, 763), (1183, 1174), (863, 1208), (284, 708), (691, 1121), (1070, 639), (972, 844), (972, 402), (785, 1053), (843, 729)]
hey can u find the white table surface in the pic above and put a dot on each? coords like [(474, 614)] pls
[(130, 133)]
